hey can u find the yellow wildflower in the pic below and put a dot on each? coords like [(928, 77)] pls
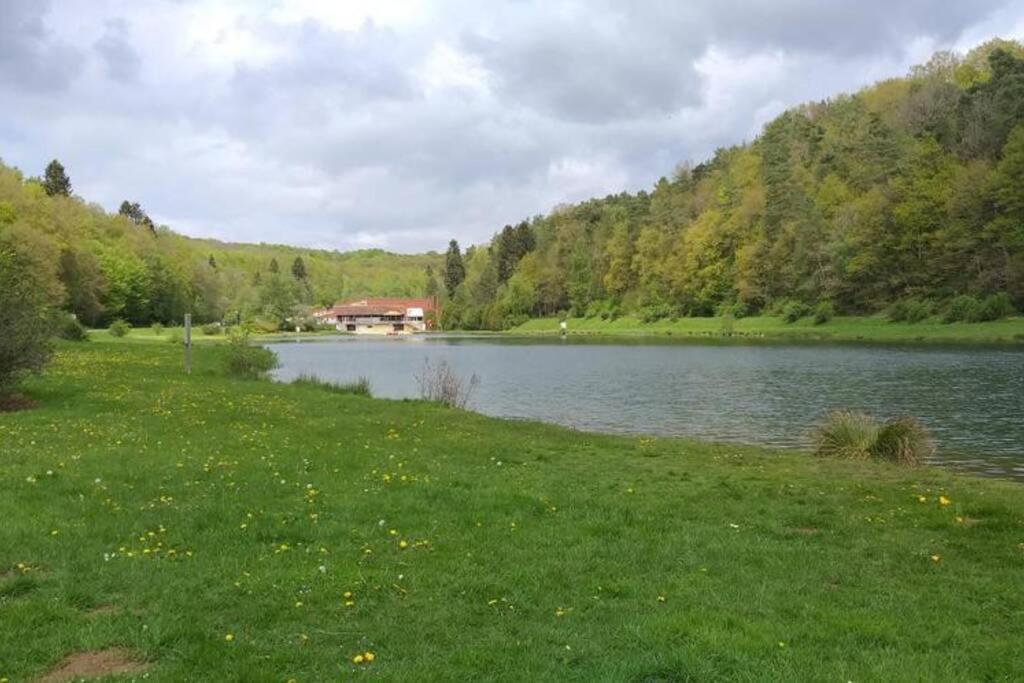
[(369, 657), (935, 558), (403, 544), (358, 659), (229, 637), (944, 501)]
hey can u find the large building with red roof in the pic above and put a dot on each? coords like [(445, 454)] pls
[(380, 316)]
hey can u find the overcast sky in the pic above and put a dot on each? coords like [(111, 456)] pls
[(344, 124)]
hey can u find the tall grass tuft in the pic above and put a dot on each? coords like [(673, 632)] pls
[(360, 387), (904, 441), (858, 436), (846, 434)]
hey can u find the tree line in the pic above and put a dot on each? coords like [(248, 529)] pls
[(908, 195), (103, 266)]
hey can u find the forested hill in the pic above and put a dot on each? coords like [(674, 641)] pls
[(910, 192), (104, 266)]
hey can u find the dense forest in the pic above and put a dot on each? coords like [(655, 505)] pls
[(906, 196), (103, 267)]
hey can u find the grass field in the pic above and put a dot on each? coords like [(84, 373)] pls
[(223, 530), (875, 328)]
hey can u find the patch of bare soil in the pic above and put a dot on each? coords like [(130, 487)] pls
[(14, 402), (94, 664), (100, 610)]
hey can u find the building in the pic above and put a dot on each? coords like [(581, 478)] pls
[(380, 316)]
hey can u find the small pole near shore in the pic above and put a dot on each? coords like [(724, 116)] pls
[(188, 343), (564, 325)]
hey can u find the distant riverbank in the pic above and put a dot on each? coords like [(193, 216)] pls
[(869, 329)]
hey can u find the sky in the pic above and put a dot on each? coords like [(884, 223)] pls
[(344, 124)]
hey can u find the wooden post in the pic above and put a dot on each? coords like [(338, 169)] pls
[(188, 343)]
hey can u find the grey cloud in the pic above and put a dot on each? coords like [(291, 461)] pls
[(115, 49), (30, 57)]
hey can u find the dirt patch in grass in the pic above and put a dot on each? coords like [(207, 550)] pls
[(94, 664), (15, 402), (101, 610)]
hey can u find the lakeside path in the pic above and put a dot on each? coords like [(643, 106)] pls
[(218, 529), (860, 329)]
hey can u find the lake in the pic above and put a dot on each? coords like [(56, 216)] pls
[(762, 394)]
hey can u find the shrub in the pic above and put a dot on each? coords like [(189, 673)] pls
[(157, 328), (211, 329), (654, 313), (360, 387), (440, 383), (246, 360), (995, 307), (910, 310), (794, 310), (119, 328), (904, 441), (265, 326), (25, 323), (963, 308), (175, 336), (69, 328), (858, 436), (846, 434), (823, 312)]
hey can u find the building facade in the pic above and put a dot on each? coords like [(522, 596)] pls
[(380, 316)]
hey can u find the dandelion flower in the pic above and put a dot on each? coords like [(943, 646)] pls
[(403, 544), (229, 637), (944, 501), (358, 659), (369, 657), (935, 558)]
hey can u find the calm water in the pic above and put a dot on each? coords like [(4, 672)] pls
[(971, 398)]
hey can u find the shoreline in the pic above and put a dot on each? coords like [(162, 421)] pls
[(1007, 332)]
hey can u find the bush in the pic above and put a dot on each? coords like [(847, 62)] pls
[(995, 307), (157, 328), (176, 336), (795, 310), (654, 313), (904, 441), (119, 328), (857, 436), (70, 329), (360, 387), (246, 360), (963, 308), (265, 326), (211, 329), (440, 383), (823, 312), (910, 310), (25, 322)]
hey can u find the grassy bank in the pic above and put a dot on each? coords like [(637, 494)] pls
[(877, 329), (224, 530)]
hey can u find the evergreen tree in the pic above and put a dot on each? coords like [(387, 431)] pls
[(298, 268), (55, 180), (454, 269), (274, 268)]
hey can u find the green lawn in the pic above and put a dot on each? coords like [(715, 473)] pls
[(874, 328), (213, 527)]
